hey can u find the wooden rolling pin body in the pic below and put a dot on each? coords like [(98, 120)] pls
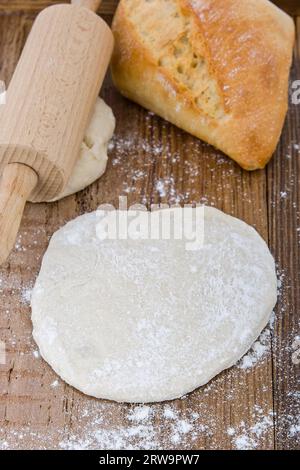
[(50, 100)]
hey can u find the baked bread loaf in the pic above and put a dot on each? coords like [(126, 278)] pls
[(218, 69)]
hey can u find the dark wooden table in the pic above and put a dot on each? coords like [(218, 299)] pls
[(254, 405)]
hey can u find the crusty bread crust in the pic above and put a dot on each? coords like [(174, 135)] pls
[(218, 69)]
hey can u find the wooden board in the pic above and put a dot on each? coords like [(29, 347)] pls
[(253, 405)]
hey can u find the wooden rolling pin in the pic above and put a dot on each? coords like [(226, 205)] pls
[(49, 104)]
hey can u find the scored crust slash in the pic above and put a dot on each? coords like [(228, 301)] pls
[(217, 69)]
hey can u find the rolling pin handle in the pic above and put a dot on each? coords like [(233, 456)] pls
[(16, 184), (90, 4)]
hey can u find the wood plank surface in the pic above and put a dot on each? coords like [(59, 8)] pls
[(283, 179), (253, 405)]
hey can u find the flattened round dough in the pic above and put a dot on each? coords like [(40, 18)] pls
[(91, 164), (146, 320)]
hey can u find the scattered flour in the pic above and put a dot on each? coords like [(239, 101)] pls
[(160, 188), (154, 427), (36, 354), (140, 413), (294, 429), (163, 426), (26, 295), (144, 429), (93, 424), (248, 437), (283, 194), (260, 349)]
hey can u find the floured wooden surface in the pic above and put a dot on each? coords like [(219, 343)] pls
[(152, 161)]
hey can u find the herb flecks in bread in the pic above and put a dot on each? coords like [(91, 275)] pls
[(217, 69)]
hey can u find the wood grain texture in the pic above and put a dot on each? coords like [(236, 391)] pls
[(283, 181), (16, 184), (90, 4), (150, 161)]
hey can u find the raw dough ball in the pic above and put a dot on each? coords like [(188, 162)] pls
[(147, 320), (93, 158)]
